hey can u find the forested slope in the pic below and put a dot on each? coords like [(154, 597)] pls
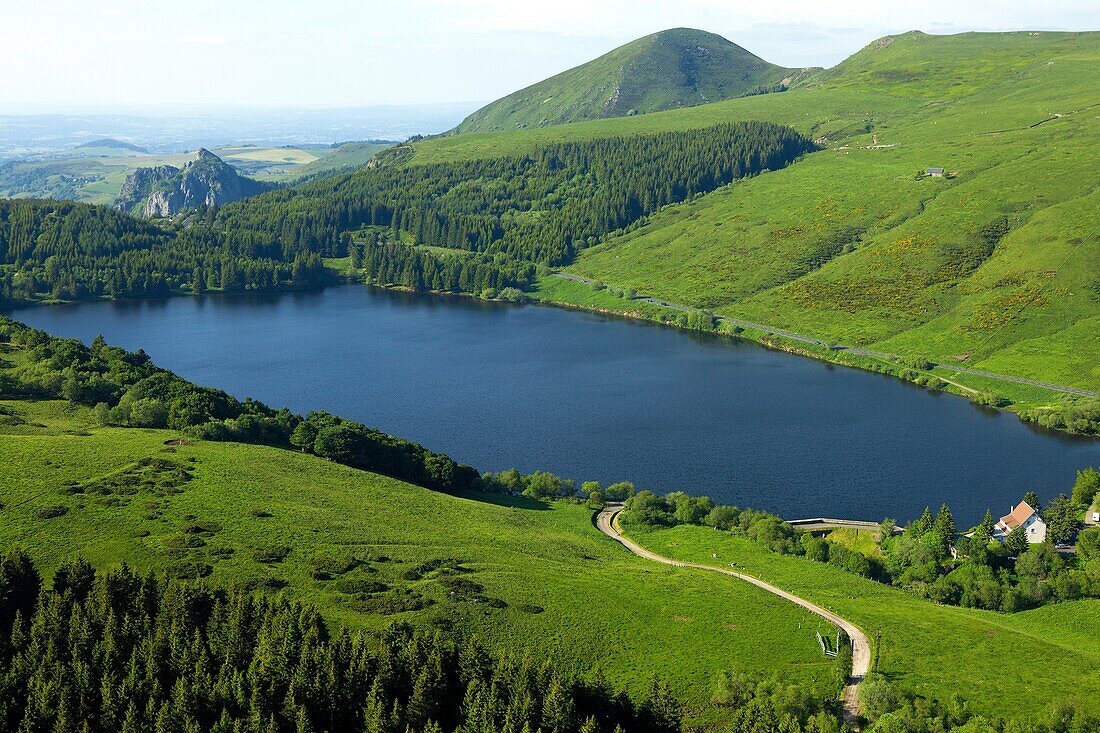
[(62, 250)]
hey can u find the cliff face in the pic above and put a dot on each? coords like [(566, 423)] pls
[(138, 184), (166, 190)]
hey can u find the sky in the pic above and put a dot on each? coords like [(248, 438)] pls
[(115, 54)]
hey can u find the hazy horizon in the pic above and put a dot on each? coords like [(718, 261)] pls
[(180, 127), (78, 56)]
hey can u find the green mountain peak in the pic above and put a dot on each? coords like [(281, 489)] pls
[(678, 67)]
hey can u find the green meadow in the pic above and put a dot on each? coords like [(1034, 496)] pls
[(645, 75), (995, 266), (370, 551), (925, 647)]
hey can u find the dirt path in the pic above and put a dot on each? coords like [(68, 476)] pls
[(861, 645)]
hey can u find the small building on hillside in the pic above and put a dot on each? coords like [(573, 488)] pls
[(934, 172), (1022, 515)]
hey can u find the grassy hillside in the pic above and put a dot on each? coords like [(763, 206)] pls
[(680, 67), (996, 267), (519, 573), (935, 650)]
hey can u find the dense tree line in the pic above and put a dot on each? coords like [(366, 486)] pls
[(387, 263), (69, 251), (930, 557), (646, 508), (126, 389), (1015, 575), (541, 207), (513, 211), (117, 651), (1079, 415)]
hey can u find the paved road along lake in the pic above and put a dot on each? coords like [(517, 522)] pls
[(590, 397)]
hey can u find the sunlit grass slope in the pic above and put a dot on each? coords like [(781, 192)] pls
[(519, 574), (679, 67), (851, 245), (936, 650), (369, 550)]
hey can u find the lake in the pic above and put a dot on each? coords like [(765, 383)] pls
[(590, 397)]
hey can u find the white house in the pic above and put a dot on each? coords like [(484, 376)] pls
[(1022, 515)]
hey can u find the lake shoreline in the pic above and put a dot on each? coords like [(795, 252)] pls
[(595, 396), (939, 379)]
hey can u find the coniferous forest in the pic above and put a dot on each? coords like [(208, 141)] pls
[(70, 251), (503, 216), (118, 651)]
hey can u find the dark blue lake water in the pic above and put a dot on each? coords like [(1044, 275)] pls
[(590, 397)]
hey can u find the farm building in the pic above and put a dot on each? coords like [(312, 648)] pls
[(934, 172)]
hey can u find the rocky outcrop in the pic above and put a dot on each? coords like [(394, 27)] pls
[(166, 190), (140, 183)]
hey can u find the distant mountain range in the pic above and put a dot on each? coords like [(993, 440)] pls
[(165, 190), (112, 144), (679, 67)]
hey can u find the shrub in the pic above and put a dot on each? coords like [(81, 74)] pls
[(333, 565), (270, 554), (51, 512), (990, 399)]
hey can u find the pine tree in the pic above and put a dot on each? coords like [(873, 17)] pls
[(923, 525), (558, 711), (302, 723), (425, 697), (945, 526), (660, 711), (1016, 542), (984, 532)]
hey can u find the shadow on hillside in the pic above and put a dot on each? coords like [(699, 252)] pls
[(506, 500)]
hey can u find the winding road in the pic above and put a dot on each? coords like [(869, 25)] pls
[(861, 645)]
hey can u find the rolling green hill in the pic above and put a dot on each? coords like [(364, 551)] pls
[(995, 266), (534, 575), (680, 67)]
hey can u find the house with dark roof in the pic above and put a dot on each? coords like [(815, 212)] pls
[(1022, 515), (934, 172)]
